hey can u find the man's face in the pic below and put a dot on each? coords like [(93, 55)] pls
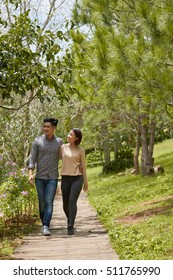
[(48, 129)]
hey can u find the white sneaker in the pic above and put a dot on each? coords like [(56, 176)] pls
[(46, 231)]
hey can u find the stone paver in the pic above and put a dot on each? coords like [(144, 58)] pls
[(90, 241)]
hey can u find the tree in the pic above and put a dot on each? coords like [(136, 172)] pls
[(133, 44), (29, 53), (31, 70)]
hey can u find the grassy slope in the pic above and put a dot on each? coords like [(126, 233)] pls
[(137, 211)]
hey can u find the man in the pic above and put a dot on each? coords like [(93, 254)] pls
[(45, 155)]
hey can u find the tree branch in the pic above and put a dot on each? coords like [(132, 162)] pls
[(8, 12), (50, 13), (21, 106)]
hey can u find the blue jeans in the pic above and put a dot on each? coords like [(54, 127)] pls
[(46, 190)]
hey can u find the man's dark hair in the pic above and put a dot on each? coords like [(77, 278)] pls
[(53, 121), (78, 134)]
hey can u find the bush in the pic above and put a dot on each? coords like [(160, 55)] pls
[(124, 160), (93, 158), (17, 196), (18, 205)]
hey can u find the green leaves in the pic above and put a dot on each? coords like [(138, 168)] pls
[(29, 58)]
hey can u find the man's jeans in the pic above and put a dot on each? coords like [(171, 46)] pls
[(46, 190)]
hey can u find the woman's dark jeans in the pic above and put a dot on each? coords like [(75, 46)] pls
[(46, 190), (71, 187)]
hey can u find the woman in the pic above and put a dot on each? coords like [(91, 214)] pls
[(73, 176)]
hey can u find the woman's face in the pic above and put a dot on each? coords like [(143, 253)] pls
[(71, 137)]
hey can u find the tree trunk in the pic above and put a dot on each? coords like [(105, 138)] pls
[(152, 139), (147, 145), (116, 143), (101, 152), (144, 156), (105, 141), (26, 128), (137, 149)]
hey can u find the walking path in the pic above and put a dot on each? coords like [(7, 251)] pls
[(90, 241)]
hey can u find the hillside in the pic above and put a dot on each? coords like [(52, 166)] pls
[(137, 211)]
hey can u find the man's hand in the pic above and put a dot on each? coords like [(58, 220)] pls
[(31, 179), (80, 168)]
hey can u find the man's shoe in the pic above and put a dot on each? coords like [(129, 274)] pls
[(46, 231), (70, 230)]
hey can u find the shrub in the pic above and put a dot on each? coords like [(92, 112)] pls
[(17, 196), (124, 160), (93, 158)]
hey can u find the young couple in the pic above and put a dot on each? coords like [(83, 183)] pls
[(46, 151)]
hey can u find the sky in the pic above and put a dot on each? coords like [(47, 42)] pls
[(39, 9), (63, 12)]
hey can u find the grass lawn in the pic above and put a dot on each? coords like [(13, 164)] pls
[(137, 211)]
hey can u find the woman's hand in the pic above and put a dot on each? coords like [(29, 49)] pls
[(85, 187)]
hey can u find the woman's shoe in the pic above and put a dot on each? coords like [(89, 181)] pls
[(70, 230)]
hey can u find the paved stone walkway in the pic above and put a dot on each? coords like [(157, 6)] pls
[(90, 241)]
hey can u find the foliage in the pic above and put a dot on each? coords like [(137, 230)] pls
[(101, 83), (93, 158), (123, 160), (17, 196), (18, 133), (132, 74), (137, 211), (29, 52), (33, 73), (163, 131), (18, 205)]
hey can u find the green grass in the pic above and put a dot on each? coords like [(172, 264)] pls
[(137, 211)]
